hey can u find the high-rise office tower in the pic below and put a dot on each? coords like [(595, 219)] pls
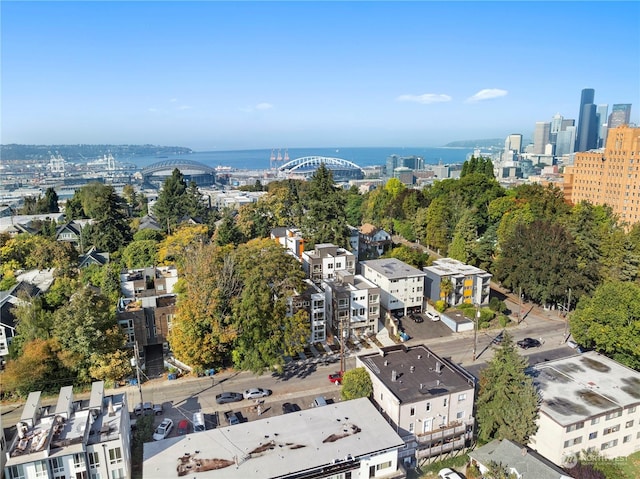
[(556, 126), (620, 115), (587, 137), (541, 137), (566, 122), (566, 141), (601, 117), (514, 142)]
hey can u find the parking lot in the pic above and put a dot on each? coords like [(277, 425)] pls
[(248, 410), (426, 329)]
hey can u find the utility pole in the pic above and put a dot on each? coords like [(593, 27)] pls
[(135, 352), (566, 316), (341, 326), (519, 304), (475, 331)]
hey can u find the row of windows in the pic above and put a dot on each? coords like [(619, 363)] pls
[(58, 468)]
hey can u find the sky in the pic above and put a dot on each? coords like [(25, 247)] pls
[(240, 75)]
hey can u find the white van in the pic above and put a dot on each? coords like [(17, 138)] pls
[(198, 422)]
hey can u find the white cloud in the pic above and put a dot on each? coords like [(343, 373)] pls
[(425, 98), (486, 94), (264, 106), (184, 107), (173, 100)]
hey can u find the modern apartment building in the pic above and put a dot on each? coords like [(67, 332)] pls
[(291, 239), (352, 304), (589, 402), (468, 283), (312, 300), (401, 285), (75, 439), (342, 440), (325, 260), (609, 176), (427, 399)]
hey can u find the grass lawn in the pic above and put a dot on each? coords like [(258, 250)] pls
[(631, 465)]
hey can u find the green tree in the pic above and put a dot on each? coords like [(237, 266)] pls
[(353, 208), (464, 237), (32, 321), (140, 254), (325, 220), (170, 207), (227, 231), (112, 367), (356, 383), (413, 256), (609, 321), (540, 258), (48, 203), (507, 405)]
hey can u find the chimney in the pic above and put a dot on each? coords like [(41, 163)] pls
[(386, 363), (438, 367), (412, 369), (394, 376)]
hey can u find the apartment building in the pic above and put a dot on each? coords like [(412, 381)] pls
[(589, 402), (342, 440), (468, 283), (352, 304), (401, 286), (610, 175), (79, 439), (291, 239), (427, 399), (325, 260), (312, 300)]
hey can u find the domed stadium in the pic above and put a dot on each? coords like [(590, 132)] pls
[(305, 167), (156, 173)]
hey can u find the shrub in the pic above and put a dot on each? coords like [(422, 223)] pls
[(485, 325), (504, 320), (486, 315), (440, 305)]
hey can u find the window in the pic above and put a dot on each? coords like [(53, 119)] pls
[(412, 412), (16, 472), (115, 455), (411, 427), (611, 429), (41, 469), (444, 403), (384, 465), (595, 420), (632, 410), (574, 427), (78, 461), (57, 466), (460, 415), (338, 265), (628, 424), (593, 435), (428, 408), (608, 445), (613, 415), (117, 474), (81, 475), (94, 460), (462, 397), (573, 442), (626, 439)]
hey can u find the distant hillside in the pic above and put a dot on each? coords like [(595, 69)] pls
[(476, 143), (79, 153)]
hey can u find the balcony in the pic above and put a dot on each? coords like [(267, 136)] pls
[(440, 448)]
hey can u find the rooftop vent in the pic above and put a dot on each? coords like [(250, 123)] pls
[(438, 367), (394, 376), (412, 369), (419, 356), (386, 363)]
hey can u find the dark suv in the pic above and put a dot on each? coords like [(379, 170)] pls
[(527, 343)]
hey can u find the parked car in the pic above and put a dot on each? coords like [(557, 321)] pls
[(146, 409), (183, 427), (157, 409), (447, 473), (224, 398), (232, 417), (163, 430), (319, 401), (499, 338), (290, 407), (336, 378), (417, 318), (432, 316), (255, 393), (198, 422), (527, 343)]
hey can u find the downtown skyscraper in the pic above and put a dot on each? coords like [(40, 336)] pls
[(587, 136), (620, 115)]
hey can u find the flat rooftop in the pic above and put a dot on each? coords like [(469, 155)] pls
[(392, 268), (585, 385), (450, 266), (419, 374), (274, 447)]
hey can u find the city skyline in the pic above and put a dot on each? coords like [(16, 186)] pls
[(242, 75)]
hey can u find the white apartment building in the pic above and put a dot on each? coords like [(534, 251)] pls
[(325, 260), (344, 440), (427, 399), (352, 304), (148, 282), (469, 284), (312, 299), (401, 285), (291, 239), (589, 402), (76, 439)]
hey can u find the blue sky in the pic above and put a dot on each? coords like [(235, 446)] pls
[(240, 75)]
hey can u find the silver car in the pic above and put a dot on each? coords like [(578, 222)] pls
[(255, 393)]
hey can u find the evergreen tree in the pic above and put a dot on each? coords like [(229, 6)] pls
[(170, 205), (508, 403)]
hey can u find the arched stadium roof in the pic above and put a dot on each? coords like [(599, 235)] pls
[(307, 165), (186, 167)]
